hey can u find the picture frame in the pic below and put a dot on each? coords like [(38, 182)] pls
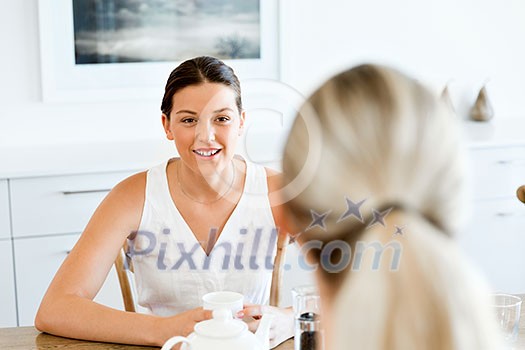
[(65, 81)]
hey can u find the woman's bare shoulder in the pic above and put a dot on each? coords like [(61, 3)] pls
[(132, 186), (274, 179), (127, 197)]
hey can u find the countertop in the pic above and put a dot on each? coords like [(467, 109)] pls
[(19, 162)]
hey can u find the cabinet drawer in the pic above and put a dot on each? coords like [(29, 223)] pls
[(37, 260), (59, 204), (5, 231), (497, 172), (7, 291), (495, 240)]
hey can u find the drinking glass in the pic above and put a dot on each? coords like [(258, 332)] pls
[(307, 312), (507, 309)]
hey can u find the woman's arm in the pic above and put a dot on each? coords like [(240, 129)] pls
[(274, 180), (68, 309)]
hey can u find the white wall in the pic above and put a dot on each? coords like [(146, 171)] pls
[(25, 120), (466, 41)]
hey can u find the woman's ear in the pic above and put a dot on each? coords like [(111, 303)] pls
[(241, 125), (166, 125)]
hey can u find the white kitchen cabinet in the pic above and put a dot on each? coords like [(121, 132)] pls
[(5, 231), (58, 204), (497, 172), (7, 289), (47, 195), (37, 260), (495, 240), (7, 282), (48, 214), (494, 237)]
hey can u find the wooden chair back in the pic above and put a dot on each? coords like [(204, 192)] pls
[(123, 265)]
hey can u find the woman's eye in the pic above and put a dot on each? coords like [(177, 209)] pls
[(223, 118), (188, 120)]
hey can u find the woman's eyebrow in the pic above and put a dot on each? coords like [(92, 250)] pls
[(223, 109), (186, 111)]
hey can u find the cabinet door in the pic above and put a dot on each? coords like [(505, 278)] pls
[(37, 260), (495, 240), (7, 281), (58, 204), (497, 172), (4, 211)]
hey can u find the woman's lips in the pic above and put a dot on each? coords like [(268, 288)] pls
[(207, 152)]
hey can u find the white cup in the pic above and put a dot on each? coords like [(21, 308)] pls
[(223, 300)]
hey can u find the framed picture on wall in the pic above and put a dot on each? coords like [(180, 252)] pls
[(108, 50)]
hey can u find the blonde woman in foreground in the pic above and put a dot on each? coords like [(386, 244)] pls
[(383, 167)]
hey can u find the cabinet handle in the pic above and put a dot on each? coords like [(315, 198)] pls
[(519, 215), (67, 193), (511, 162), (520, 192)]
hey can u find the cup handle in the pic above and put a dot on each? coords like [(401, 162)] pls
[(174, 340)]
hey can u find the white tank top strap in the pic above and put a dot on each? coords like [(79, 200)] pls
[(256, 179), (256, 187), (157, 189)]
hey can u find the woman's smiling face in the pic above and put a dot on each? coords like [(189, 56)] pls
[(205, 124)]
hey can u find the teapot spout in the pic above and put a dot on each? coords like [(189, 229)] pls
[(263, 331)]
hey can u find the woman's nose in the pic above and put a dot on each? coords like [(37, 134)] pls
[(205, 133)]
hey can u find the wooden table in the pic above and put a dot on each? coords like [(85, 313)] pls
[(28, 338)]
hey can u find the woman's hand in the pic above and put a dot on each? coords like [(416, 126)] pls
[(183, 323), (282, 327)]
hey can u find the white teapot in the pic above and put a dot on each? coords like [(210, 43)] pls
[(222, 332)]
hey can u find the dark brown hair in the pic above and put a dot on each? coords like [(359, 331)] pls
[(198, 70)]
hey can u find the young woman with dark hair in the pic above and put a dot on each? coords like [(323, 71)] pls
[(192, 224)]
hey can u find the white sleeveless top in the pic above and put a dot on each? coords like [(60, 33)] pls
[(172, 271)]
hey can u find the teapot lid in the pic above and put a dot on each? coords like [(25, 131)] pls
[(222, 325)]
